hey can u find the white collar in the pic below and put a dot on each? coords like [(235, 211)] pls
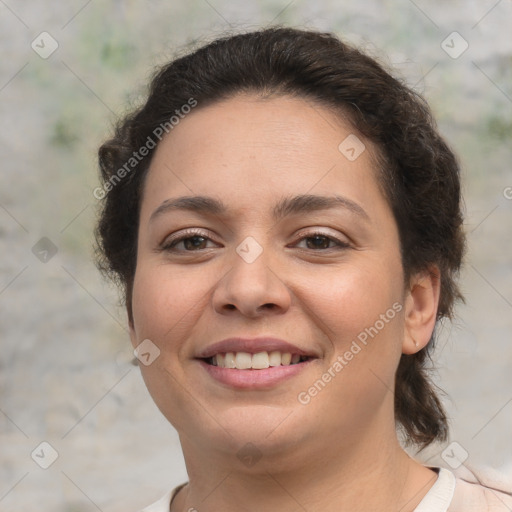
[(440, 495)]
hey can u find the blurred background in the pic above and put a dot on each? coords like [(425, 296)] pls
[(68, 69)]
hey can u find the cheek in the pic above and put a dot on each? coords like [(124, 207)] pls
[(350, 301), (362, 315), (364, 322), (167, 302), (165, 305)]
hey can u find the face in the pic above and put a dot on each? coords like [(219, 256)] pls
[(293, 249)]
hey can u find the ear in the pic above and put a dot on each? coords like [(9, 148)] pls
[(421, 303)]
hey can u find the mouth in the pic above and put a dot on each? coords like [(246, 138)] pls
[(254, 363), (258, 361)]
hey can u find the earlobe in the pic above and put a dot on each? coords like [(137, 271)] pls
[(421, 305)]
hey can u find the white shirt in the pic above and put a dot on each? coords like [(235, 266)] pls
[(448, 494)]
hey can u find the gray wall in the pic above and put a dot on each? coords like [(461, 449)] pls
[(65, 374)]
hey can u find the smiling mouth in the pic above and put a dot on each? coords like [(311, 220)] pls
[(258, 361)]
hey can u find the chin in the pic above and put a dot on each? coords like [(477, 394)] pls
[(268, 430)]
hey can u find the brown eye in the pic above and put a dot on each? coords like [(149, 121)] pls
[(190, 241), (318, 242), (194, 242), (322, 242)]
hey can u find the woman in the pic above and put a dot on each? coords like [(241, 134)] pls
[(286, 224)]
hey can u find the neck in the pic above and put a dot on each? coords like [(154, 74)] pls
[(372, 474)]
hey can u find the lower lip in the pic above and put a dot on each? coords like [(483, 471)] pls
[(254, 379)]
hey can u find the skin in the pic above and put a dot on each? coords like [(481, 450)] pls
[(339, 452)]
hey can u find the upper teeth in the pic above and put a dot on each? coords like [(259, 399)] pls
[(259, 361)]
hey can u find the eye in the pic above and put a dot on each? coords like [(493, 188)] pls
[(193, 240), (190, 240), (321, 241)]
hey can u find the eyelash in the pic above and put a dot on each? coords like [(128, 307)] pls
[(170, 245)]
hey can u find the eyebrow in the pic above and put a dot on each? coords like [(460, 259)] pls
[(304, 203)]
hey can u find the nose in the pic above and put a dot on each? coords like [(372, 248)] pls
[(253, 288)]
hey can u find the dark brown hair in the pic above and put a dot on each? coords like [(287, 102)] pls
[(418, 172)]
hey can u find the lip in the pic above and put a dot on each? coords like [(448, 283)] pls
[(253, 346), (254, 379), (261, 379)]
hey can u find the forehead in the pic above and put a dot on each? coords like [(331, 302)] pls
[(247, 148), (282, 123)]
